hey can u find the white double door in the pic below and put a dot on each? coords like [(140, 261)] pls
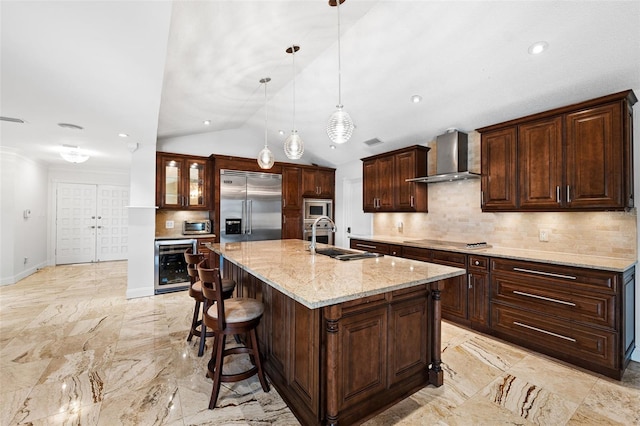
[(91, 223)]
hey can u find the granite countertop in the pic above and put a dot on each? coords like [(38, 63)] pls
[(565, 259), (318, 280)]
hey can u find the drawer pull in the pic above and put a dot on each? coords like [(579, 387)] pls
[(365, 246), (535, 296), (548, 274), (544, 331)]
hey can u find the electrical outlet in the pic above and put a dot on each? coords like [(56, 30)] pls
[(543, 235), (168, 224)]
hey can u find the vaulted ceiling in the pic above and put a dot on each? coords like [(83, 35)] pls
[(159, 69)]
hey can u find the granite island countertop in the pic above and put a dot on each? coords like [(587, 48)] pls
[(318, 280), (613, 264)]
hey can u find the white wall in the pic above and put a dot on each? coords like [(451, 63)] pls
[(23, 187)]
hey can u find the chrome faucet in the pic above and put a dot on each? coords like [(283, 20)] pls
[(312, 246)]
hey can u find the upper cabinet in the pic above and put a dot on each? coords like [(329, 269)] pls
[(577, 157), (384, 181), (318, 182), (182, 182)]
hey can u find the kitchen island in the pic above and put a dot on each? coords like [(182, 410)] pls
[(342, 340)]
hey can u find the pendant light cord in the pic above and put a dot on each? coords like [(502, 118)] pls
[(265, 114), (293, 56), (339, 55)]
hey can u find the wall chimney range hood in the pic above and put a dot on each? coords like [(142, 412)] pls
[(451, 159)]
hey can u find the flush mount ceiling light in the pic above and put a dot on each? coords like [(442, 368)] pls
[(340, 126), (293, 145), (265, 157), (72, 154), (70, 126), (538, 47)]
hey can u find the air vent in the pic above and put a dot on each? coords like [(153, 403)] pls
[(70, 126), (11, 119), (373, 142)]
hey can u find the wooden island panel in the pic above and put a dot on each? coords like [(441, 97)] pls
[(342, 364)]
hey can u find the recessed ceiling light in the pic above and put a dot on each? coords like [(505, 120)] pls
[(123, 135), (207, 122), (281, 132), (416, 99), (538, 47), (332, 146), (70, 126)]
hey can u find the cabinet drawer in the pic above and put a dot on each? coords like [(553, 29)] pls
[(478, 263), (202, 248), (590, 308), (382, 248), (555, 337), (458, 260), (416, 253), (577, 278)]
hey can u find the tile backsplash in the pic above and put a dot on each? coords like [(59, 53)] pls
[(177, 216), (455, 215)]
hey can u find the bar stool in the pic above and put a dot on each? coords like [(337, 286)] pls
[(195, 291), (231, 317)]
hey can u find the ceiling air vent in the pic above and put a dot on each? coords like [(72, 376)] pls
[(11, 119), (373, 142)]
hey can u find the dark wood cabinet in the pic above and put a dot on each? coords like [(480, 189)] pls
[(540, 163), (479, 289), (318, 182), (291, 190), (182, 182), (291, 223), (573, 314), (455, 294), (377, 184), (382, 248), (384, 181), (577, 157)]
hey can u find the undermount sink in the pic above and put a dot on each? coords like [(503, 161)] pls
[(343, 254)]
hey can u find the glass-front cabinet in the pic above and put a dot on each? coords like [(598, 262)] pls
[(183, 182)]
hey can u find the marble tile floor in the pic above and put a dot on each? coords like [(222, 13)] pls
[(74, 351)]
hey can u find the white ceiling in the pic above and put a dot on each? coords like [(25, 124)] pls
[(158, 69)]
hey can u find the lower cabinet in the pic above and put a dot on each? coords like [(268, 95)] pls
[(582, 316), (573, 314)]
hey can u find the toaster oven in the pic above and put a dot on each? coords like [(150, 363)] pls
[(194, 227)]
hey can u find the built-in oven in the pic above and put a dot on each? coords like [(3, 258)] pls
[(170, 266), (324, 233)]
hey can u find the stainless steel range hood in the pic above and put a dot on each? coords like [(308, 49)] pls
[(452, 159)]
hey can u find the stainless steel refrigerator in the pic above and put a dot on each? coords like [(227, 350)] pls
[(250, 206)]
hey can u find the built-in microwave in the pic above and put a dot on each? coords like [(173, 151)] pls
[(193, 227), (313, 208)]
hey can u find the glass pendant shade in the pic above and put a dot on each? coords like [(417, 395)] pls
[(340, 126), (265, 158), (294, 146)]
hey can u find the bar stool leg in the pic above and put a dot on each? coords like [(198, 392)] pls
[(258, 362), (194, 321), (217, 369)]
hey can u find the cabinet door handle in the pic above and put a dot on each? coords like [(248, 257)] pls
[(365, 246), (477, 262), (558, 194), (549, 299), (482, 198), (544, 331), (284, 203), (548, 274), (469, 280), (412, 202), (284, 219), (568, 193)]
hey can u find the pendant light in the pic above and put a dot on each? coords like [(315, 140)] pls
[(265, 157), (340, 126), (293, 145)]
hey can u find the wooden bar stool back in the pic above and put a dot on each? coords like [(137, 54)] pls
[(230, 317), (195, 291)]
